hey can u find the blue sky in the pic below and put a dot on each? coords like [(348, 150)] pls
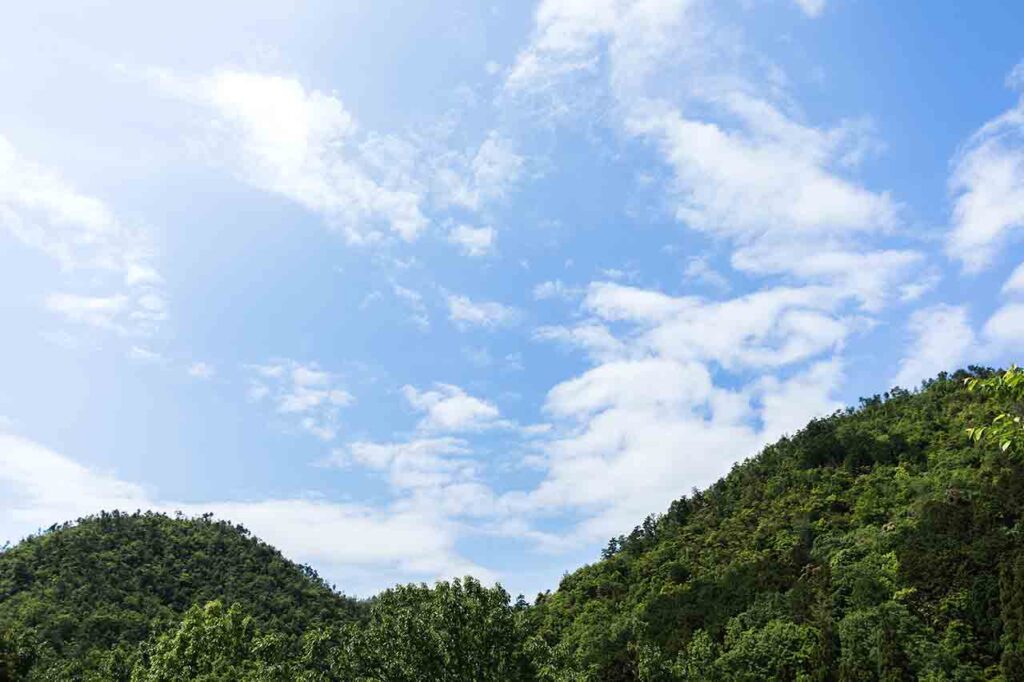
[(415, 290)]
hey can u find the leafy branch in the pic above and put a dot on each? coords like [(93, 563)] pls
[(1007, 428)]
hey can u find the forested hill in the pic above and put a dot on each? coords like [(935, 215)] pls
[(82, 596), (880, 543)]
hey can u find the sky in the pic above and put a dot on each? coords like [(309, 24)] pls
[(416, 290)]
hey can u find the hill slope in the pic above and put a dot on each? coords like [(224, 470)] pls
[(112, 580), (878, 543)]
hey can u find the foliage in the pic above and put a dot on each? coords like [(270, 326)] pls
[(77, 600), (214, 644), (878, 543), (457, 630), (1007, 428)]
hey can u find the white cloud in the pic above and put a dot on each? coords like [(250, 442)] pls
[(636, 434), (468, 313), (698, 269), (310, 395), (762, 181), (743, 167), (486, 175), (647, 421), (303, 144), (556, 289), (650, 384), (787, 405), (1005, 328), (874, 278), (941, 339), (80, 232), (43, 487), (433, 473), (448, 408), (812, 8), (767, 328), (768, 185), (282, 136), (988, 186), (473, 241), (361, 548), (565, 36), (592, 337), (423, 453), (613, 301), (1015, 283), (680, 389)]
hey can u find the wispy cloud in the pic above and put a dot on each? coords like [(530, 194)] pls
[(1005, 328), (473, 241), (1015, 283), (484, 176), (305, 392), (556, 289), (988, 187), (282, 136), (448, 408), (942, 337), (80, 232), (743, 167), (466, 313), (303, 144)]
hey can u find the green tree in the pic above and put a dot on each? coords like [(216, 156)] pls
[(17, 653), (454, 631), (779, 650), (1006, 430), (214, 644)]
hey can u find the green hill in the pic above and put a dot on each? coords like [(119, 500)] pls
[(110, 581), (880, 543)]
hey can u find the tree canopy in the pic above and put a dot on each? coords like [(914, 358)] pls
[(80, 594)]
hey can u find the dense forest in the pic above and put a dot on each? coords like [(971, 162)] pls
[(883, 542)]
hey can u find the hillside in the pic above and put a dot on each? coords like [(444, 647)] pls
[(108, 582), (879, 543)]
